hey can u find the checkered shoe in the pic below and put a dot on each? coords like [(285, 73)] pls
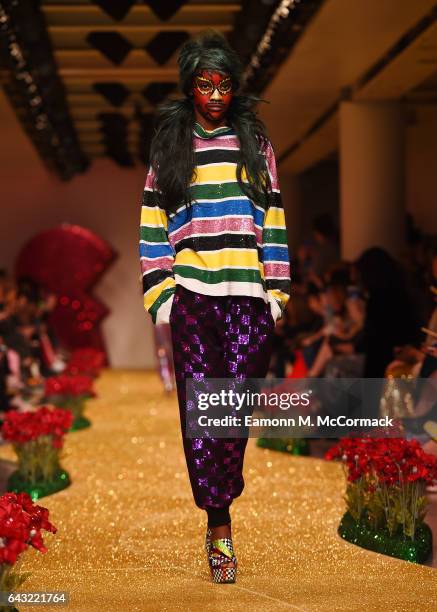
[(220, 552)]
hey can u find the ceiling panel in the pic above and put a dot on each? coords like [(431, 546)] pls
[(123, 60), (340, 45), (77, 15), (331, 55), (410, 68)]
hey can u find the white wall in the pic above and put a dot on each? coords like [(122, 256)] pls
[(106, 200)]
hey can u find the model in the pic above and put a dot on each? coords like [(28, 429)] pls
[(214, 258)]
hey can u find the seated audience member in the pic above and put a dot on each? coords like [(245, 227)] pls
[(409, 358), (27, 354), (298, 320), (324, 252), (311, 342), (342, 329), (391, 319)]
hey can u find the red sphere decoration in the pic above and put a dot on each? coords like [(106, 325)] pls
[(68, 260)]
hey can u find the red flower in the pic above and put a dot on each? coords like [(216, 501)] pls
[(86, 361), (389, 460), (21, 427), (21, 522), (68, 385)]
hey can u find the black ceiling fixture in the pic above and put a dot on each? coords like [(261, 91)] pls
[(115, 93), (32, 84), (117, 9), (114, 130), (164, 44), (156, 93), (112, 45), (165, 8), (284, 34), (250, 25)]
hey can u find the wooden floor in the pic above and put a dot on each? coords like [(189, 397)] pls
[(130, 538)]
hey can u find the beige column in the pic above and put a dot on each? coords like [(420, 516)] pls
[(372, 177)]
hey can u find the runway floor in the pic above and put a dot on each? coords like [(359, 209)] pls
[(130, 538)]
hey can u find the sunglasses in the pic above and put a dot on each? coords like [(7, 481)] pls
[(206, 86)]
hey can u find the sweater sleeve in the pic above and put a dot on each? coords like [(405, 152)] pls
[(275, 245), (156, 256)]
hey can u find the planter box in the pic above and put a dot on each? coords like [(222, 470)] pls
[(396, 545)]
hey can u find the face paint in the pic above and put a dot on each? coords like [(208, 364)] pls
[(212, 93)]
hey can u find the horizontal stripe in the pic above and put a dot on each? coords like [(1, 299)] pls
[(184, 211), (153, 278), (216, 156), (224, 258), (152, 294), (274, 235), (275, 253), (149, 200), (276, 270), (217, 276), (226, 202), (162, 263), (153, 234), (153, 215), (203, 227), (271, 165), (225, 142), (163, 297), (222, 288), (218, 210), (219, 243), (217, 173), (155, 250), (150, 180), (202, 132), (281, 285), (211, 192), (280, 295), (275, 216), (275, 199)]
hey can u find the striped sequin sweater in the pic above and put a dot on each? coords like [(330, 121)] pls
[(224, 244)]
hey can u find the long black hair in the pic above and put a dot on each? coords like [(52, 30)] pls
[(171, 152)]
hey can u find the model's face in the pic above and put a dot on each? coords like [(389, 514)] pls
[(212, 92)]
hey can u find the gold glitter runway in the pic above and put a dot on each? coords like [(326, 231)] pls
[(130, 538)]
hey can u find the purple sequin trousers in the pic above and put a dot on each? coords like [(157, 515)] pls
[(217, 337)]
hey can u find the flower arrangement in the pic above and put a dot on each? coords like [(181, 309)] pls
[(21, 523), (69, 385), (37, 438), (385, 495), (70, 392), (87, 361)]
